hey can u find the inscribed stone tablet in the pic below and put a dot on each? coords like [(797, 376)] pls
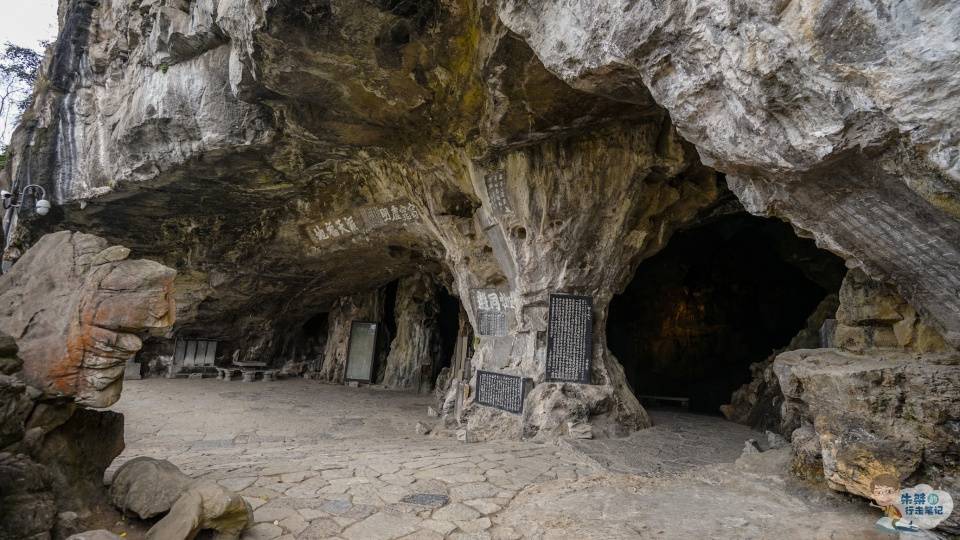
[(497, 192), (361, 350), (490, 306), (504, 392), (570, 338)]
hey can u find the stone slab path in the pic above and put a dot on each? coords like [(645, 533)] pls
[(322, 461)]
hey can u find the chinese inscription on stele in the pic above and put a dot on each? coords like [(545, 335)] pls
[(491, 306), (363, 221), (570, 338), (504, 392), (497, 192)]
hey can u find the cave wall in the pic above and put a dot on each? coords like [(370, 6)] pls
[(283, 156), (835, 116), (883, 402), (367, 306), (415, 343)]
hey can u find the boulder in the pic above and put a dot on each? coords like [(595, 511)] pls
[(74, 305), (892, 412), (204, 506), (147, 487)]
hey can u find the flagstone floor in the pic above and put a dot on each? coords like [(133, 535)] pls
[(323, 461)]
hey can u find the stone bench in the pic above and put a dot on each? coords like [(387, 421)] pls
[(682, 401), (227, 374), (247, 374)]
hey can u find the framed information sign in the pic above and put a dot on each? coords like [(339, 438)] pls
[(570, 338), (361, 351), (500, 391)]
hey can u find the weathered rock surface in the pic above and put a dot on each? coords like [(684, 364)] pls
[(74, 305), (872, 315), (890, 411), (833, 115), (52, 456), (285, 156), (361, 307), (27, 504), (99, 534), (147, 487), (410, 349), (150, 487), (204, 506)]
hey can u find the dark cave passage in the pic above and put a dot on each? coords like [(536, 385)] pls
[(718, 298), (448, 325)]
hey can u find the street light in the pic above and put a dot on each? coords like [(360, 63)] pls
[(42, 206)]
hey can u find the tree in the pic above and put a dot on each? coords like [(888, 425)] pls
[(19, 67)]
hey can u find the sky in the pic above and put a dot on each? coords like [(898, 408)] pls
[(27, 22)]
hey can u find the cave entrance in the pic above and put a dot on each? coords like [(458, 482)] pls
[(716, 299), (304, 349), (448, 326)]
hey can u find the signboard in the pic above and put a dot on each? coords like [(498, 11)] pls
[(362, 221), (497, 192), (570, 338), (361, 351), (504, 392), (195, 352), (490, 306)]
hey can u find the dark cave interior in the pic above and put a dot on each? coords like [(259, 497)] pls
[(716, 299)]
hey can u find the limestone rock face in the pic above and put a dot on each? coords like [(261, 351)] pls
[(74, 305), (883, 412), (52, 454), (411, 349), (834, 115), (361, 307), (27, 503), (285, 156), (873, 315)]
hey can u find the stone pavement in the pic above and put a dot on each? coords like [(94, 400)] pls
[(323, 461)]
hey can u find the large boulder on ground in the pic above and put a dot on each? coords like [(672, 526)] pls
[(74, 304), (150, 487), (147, 487), (204, 506), (887, 412)]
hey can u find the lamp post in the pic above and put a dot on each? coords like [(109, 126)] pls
[(11, 207)]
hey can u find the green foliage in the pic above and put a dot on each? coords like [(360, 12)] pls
[(164, 67), (19, 69)]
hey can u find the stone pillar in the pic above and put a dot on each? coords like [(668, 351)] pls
[(416, 311), (537, 232)]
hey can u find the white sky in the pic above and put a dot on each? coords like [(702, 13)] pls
[(27, 22)]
